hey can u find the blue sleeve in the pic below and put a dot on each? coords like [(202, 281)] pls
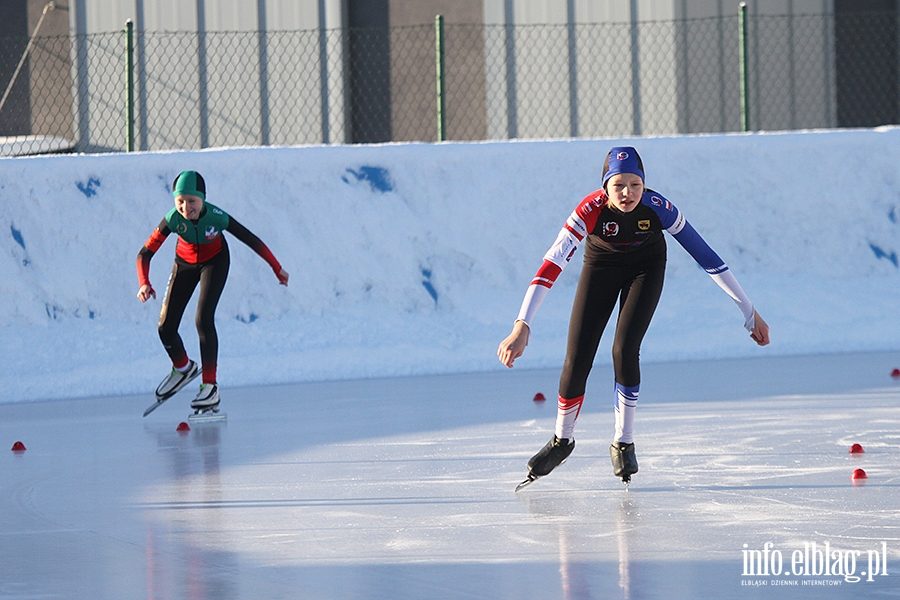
[(675, 223), (697, 247)]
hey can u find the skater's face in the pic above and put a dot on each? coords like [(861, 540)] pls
[(625, 191), (189, 206)]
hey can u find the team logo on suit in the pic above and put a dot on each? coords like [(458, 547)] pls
[(610, 229), (657, 201), (644, 224)]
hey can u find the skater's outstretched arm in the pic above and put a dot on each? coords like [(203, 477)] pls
[(257, 245), (675, 223)]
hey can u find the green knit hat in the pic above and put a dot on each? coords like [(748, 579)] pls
[(191, 183)]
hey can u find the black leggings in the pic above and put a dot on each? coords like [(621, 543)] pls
[(637, 288), (211, 275)]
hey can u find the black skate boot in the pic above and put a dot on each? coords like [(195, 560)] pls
[(623, 460), (553, 454)]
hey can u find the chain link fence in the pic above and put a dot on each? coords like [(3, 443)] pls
[(219, 89)]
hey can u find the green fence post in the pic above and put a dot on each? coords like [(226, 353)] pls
[(129, 91), (745, 87), (439, 66)]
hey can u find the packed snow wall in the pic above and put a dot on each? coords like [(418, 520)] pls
[(413, 258)]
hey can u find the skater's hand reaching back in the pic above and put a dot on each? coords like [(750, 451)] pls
[(514, 345), (146, 292)]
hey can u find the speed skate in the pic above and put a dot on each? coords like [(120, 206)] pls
[(206, 404), (207, 415), (624, 461)]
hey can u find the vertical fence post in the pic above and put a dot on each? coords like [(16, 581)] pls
[(324, 75), (509, 42), (202, 75), (573, 68), (129, 83), (439, 76), (636, 102), (745, 91), (262, 40)]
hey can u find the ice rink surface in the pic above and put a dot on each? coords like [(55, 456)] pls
[(403, 489)]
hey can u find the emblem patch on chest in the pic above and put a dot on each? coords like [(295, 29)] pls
[(211, 233), (610, 229), (644, 224)]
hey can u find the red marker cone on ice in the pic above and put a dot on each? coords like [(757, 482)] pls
[(858, 474), (183, 427), (18, 447), (539, 397), (895, 373), (856, 449)]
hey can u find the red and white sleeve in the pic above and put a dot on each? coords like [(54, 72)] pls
[(578, 225)]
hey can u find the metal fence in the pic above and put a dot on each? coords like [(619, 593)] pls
[(218, 89)]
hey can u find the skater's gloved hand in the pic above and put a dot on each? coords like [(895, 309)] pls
[(283, 277), (146, 292), (514, 345), (760, 333)]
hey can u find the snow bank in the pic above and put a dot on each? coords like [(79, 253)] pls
[(413, 258)]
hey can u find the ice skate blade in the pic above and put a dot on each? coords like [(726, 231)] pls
[(156, 405), (207, 416), (528, 481), (153, 407)]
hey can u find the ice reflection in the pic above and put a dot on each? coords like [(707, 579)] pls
[(574, 577), (625, 517), (583, 550), (180, 560)]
